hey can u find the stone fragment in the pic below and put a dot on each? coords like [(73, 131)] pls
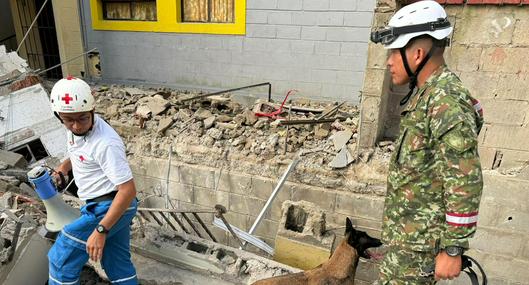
[(128, 108), (164, 124), (214, 133), (251, 118), (239, 119), (208, 123), (203, 114), (224, 118), (321, 131), (157, 104), (112, 111), (134, 91), (12, 159), (260, 123), (143, 112), (342, 159), (227, 126), (341, 138)]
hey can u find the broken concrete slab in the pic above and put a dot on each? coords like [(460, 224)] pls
[(157, 105), (322, 131), (13, 159), (11, 65), (164, 124), (208, 123), (203, 113), (342, 159), (341, 138)]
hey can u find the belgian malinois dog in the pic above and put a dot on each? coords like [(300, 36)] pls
[(339, 269)]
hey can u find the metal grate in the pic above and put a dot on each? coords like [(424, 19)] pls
[(41, 46)]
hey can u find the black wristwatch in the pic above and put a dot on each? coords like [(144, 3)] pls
[(101, 229), (454, 251)]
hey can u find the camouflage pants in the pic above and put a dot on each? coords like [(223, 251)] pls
[(405, 267)]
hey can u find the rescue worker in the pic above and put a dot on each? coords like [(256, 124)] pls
[(104, 178), (434, 180)]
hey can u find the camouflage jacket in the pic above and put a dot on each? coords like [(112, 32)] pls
[(435, 180)]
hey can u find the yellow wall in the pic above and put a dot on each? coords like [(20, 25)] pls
[(169, 20), (67, 23)]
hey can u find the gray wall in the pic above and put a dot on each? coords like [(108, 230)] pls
[(6, 25), (316, 46)]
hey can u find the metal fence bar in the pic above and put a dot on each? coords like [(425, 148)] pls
[(191, 224), (204, 227), (155, 218), (179, 222), (168, 221)]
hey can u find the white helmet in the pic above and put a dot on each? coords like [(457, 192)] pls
[(417, 19), (71, 95)]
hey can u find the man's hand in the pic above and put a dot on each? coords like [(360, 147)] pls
[(95, 245), (447, 267)]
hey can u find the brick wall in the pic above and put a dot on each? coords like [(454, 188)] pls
[(244, 195), (316, 46), (488, 52)]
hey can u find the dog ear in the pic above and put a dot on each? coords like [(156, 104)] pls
[(348, 226)]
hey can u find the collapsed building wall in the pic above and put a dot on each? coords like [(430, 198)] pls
[(318, 47), (488, 53)]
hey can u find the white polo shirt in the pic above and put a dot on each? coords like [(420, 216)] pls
[(98, 160)]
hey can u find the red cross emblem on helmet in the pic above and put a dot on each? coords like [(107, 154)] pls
[(67, 98)]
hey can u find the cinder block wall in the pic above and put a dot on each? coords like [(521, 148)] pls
[(316, 46), (488, 52), (244, 195)]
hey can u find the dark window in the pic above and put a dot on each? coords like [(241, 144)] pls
[(32, 151), (208, 11), (133, 10)]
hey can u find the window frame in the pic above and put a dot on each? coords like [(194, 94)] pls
[(170, 20)]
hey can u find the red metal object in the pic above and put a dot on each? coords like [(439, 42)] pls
[(275, 114)]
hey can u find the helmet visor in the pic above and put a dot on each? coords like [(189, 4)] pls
[(388, 35)]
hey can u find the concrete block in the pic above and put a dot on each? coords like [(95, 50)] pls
[(505, 112), (290, 4), (201, 177), (366, 5), (348, 34), (377, 56), (466, 58), (12, 159), (289, 32), (313, 33), (256, 44), (330, 48), (505, 243), (209, 198), (507, 60), (343, 5), (495, 30), (152, 167), (360, 205), (525, 252), (330, 19), (263, 188), (514, 158), (266, 228), (324, 76), (372, 226), (317, 5), (261, 4), (257, 16), (354, 49), (299, 255), (238, 220), (505, 268), (245, 205), (260, 31), (487, 156), (280, 17), (350, 77), (322, 198), (358, 19), (181, 192), (304, 18), (304, 47), (234, 183), (511, 137), (521, 34)]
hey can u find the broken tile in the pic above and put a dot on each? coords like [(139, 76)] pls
[(341, 138)]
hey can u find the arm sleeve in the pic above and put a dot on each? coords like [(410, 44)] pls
[(114, 163), (459, 166)]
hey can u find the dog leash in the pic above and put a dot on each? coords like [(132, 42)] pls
[(466, 266)]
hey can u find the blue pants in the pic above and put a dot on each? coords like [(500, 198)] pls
[(68, 255)]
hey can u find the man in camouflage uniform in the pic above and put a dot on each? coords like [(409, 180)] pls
[(434, 181)]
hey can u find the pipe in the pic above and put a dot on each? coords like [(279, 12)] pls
[(231, 90)]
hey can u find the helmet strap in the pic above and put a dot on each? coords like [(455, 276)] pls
[(413, 76), (58, 117)]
